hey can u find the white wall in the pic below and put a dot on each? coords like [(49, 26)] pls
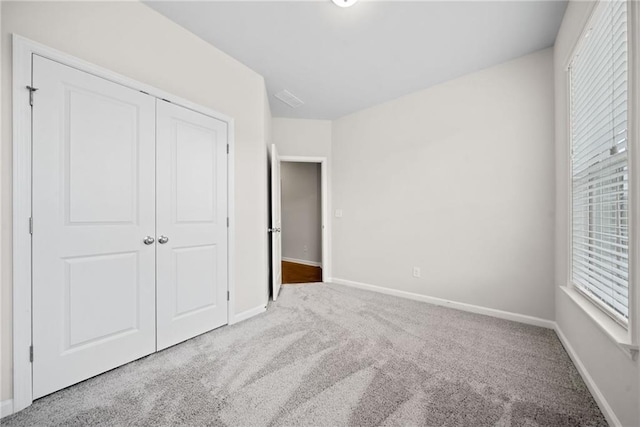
[(132, 39), (301, 211), (458, 180), (614, 373), (302, 137), (5, 291)]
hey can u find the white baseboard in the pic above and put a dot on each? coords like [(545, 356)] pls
[(6, 408), (591, 385), (522, 318), (303, 262), (248, 314)]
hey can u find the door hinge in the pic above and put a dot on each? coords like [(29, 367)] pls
[(31, 91), (228, 296), (227, 222), (31, 353), (227, 148), (30, 225)]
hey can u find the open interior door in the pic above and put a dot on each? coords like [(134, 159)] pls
[(276, 223)]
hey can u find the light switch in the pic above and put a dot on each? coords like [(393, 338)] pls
[(338, 213)]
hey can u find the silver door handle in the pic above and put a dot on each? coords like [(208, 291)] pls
[(149, 240), (275, 230), (163, 239)]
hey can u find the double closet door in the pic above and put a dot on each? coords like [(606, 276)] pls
[(129, 225)]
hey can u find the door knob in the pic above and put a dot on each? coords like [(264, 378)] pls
[(163, 239), (149, 240)]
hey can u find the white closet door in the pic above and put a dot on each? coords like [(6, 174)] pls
[(191, 223), (93, 205)]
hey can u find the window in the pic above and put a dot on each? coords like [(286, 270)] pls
[(600, 162)]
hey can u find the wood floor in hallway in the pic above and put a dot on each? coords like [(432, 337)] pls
[(300, 273)]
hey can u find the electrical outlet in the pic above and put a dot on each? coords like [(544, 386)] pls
[(338, 213), (305, 248), (416, 271)]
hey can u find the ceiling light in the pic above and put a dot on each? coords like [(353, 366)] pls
[(344, 3)]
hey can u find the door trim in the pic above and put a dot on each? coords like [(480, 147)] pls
[(23, 51), (326, 219)]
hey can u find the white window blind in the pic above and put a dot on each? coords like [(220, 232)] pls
[(599, 159)]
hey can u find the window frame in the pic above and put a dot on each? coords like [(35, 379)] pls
[(626, 336)]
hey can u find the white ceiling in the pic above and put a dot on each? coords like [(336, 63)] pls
[(340, 60)]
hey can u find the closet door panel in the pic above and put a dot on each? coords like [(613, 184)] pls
[(191, 223), (93, 205)]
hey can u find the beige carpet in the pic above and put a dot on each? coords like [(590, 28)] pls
[(327, 355)]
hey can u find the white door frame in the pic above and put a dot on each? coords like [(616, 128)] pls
[(326, 225), (23, 51)]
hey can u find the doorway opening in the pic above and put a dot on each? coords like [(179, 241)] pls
[(301, 201), (299, 220)]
